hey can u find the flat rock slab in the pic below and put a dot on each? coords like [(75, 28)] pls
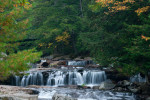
[(16, 93)]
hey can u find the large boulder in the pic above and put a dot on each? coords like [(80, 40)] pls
[(107, 85), (62, 97)]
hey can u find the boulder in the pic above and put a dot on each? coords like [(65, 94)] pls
[(107, 85), (134, 90), (17, 93), (44, 63), (123, 83), (55, 63), (62, 97)]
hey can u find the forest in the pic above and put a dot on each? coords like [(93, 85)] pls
[(104, 47), (113, 32)]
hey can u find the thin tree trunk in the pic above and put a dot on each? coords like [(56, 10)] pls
[(81, 9)]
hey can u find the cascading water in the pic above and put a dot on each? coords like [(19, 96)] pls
[(32, 79), (76, 78), (94, 77), (61, 78), (56, 78), (137, 78), (80, 63), (17, 80)]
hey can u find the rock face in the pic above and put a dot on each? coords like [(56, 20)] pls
[(16, 93), (107, 85), (61, 97)]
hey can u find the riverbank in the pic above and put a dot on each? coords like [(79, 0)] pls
[(79, 74)]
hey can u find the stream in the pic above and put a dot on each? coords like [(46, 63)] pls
[(60, 80)]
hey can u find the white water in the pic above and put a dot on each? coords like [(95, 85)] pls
[(137, 78), (79, 63), (61, 78), (91, 77), (32, 79), (85, 94)]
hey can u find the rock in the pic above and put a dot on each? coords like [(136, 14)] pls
[(16, 93), (62, 63), (134, 90), (148, 98), (62, 97), (119, 89), (126, 83), (95, 87), (56, 63), (44, 64), (93, 66), (83, 87), (78, 59), (88, 58), (107, 85), (123, 83)]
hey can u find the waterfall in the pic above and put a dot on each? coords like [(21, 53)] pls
[(56, 79), (17, 79), (137, 78), (76, 78), (95, 77), (63, 77), (32, 79)]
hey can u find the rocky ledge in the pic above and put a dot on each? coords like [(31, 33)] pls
[(17, 93)]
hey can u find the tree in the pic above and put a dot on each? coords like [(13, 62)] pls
[(118, 33), (13, 26)]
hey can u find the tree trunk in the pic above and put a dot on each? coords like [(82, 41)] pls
[(81, 9)]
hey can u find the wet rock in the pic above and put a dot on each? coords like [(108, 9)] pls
[(119, 89), (126, 83), (134, 90), (95, 87), (83, 87), (148, 98), (62, 97), (107, 85), (45, 64), (123, 83)]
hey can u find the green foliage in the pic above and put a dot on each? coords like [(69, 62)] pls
[(13, 25), (17, 62), (119, 37), (50, 20)]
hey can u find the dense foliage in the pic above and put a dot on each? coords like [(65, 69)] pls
[(113, 32), (13, 25)]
